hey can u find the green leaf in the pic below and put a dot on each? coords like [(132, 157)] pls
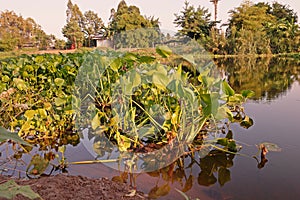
[(227, 89), (96, 122), (29, 114), (7, 135), (11, 189), (123, 143), (135, 78), (20, 83), (146, 59), (189, 94), (146, 131), (116, 64), (130, 57), (42, 113), (232, 146), (60, 101), (37, 165), (210, 104), (177, 88), (59, 82), (223, 113), (5, 79), (163, 51), (189, 58), (160, 80), (248, 93), (247, 122), (223, 141)]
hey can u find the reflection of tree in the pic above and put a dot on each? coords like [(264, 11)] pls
[(267, 77)]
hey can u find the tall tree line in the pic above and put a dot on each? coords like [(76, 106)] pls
[(260, 28), (17, 32), (127, 27)]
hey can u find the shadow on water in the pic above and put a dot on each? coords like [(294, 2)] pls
[(197, 175)]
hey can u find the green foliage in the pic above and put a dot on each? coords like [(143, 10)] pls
[(246, 32), (17, 32), (92, 25), (11, 189), (73, 30), (136, 100), (36, 96), (130, 29), (262, 29), (194, 23), (283, 32), (37, 165), (6, 135)]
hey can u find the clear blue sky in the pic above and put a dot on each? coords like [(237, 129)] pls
[(51, 15)]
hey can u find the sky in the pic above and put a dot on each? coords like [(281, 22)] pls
[(51, 15)]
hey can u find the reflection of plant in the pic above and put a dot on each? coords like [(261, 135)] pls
[(214, 168)]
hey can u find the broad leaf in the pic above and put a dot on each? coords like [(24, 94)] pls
[(29, 114), (160, 80), (116, 64), (96, 122), (247, 122), (248, 93), (227, 89), (164, 51), (37, 165), (60, 101), (11, 189), (59, 82), (6, 135), (21, 85)]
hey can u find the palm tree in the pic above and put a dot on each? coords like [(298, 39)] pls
[(215, 2)]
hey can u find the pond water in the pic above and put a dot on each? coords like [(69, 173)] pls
[(275, 110)]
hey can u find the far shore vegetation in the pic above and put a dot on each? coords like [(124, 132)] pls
[(260, 30)]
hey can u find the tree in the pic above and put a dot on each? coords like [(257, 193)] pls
[(215, 2), (194, 23), (73, 30), (246, 33), (283, 31), (92, 25), (17, 32), (130, 29)]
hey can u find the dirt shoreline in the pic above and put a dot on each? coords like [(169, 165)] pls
[(63, 186)]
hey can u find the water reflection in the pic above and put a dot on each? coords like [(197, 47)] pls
[(268, 77), (184, 174)]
